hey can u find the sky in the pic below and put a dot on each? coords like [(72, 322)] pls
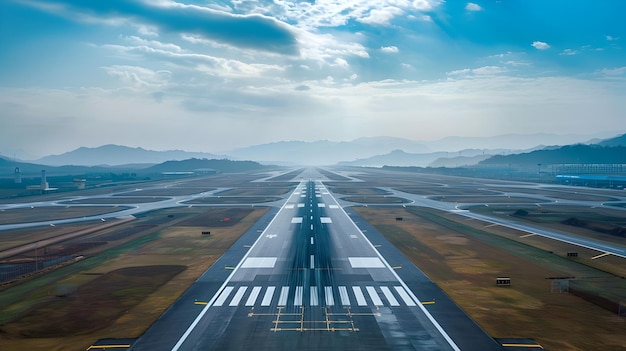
[(216, 75)]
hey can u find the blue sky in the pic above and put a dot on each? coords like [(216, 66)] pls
[(215, 75)]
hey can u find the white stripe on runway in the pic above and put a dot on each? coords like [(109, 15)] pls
[(405, 297), (343, 294), (253, 296), (390, 298), (297, 301), (314, 299), (374, 296), (312, 261), (300, 205), (360, 298), (237, 298), (267, 298), (328, 294), (312, 242), (290, 206), (284, 293), (223, 296), (321, 205)]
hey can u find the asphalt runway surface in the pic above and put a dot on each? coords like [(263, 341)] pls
[(313, 281)]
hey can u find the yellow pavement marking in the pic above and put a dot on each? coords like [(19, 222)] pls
[(601, 255), (122, 346), (428, 302), (491, 225), (200, 303), (527, 235), (533, 346)]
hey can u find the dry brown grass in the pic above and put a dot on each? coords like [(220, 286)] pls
[(178, 245), (465, 266)]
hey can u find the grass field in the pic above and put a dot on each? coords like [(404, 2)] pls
[(104, 295), (464, 261)]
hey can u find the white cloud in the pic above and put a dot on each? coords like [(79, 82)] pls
[(476, 72), (569, 52), (473, 7), (611, 38), (389, 49), (381, 16), (614, 71), (540, 45)]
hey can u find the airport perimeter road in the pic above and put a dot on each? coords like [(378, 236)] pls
[(311, 281)]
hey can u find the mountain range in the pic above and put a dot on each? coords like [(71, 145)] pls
[(371, 151), (116, 155)]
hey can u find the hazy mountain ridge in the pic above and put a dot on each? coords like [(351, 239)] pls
[(116, 155), (362, 151), (578, 153)]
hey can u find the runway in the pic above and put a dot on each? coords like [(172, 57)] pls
[(312, 280)]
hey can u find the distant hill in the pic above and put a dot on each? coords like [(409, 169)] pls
[(578, 153), (458, 161), (396, 158), (7, 168), (509, 141), (324, 152), (114, 155), (191, 165), (432, 159), (617, 141)]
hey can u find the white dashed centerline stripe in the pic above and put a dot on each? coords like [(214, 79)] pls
[(312, 242), (389, 296), (238, 296), (312, 262), (267, 298), (253, 296), (223, 296)]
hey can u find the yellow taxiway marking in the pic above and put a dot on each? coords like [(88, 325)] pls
[(200, 303), (397, 267), (530, 346), (527, 235), (601, 255), (491, 225), (428, 302), (229, 267), (95, 347)]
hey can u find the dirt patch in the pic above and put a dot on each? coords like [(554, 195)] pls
[(440, 190), (485, 199), (232, 200), (358, 191), (92, 306), (115, 200), (218, 217), (376, 199), (255, 191), (42, 214)]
